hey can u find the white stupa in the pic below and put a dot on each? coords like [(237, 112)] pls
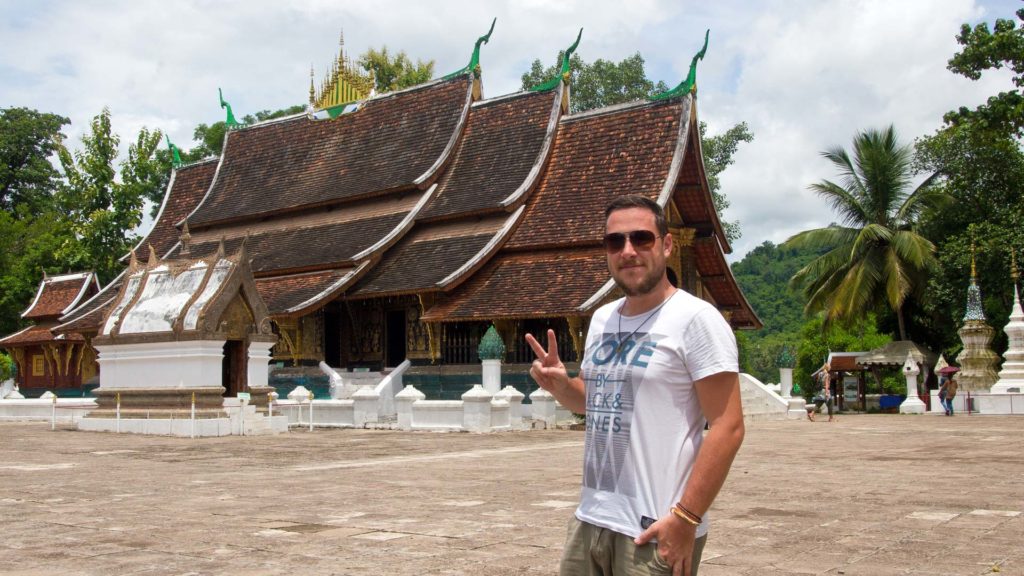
[(1011, 377)]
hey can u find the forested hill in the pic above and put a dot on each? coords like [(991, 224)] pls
[(763, 275)]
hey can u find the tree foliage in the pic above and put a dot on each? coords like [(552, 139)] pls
[(817, 339), (101, 208), (395, 71), (603, 83), (718, 155), (27, 139), (983, 50), (875, 255), (763, 275)]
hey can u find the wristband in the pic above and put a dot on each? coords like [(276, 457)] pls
[(684, 516)]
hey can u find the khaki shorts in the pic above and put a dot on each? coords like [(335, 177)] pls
[(593, 551)]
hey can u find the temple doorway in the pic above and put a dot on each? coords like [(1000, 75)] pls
[(395, 351), (233, 377)]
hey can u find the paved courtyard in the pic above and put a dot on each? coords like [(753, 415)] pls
[(867, 495)]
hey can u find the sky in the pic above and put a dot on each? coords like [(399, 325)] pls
[(805, 75)]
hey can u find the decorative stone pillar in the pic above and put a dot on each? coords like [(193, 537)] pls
[(977, 360), (785, 361), (913, 404), (258, 371), (476, 409), (364, 407), (1011, 377), (515, 404), (543, 407), (404, 401), (491, 352)]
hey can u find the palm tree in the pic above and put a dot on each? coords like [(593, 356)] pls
[(873, 255)]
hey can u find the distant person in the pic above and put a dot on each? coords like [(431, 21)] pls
[(825, 394), (947, 391), (658, 364)]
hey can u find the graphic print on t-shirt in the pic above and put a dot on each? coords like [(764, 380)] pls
[(616, 364)]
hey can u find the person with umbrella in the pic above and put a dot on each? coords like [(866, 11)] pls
[(947, 390)]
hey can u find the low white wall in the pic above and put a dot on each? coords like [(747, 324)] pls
[(984, 403), (326, 413), (187, 364), (69, 410)]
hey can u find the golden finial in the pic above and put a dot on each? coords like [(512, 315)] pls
[(974, 268), (153, 260), (312, 91), (1013, 265)]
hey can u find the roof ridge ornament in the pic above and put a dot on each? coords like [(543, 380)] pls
[(175, 156), (690, 84), (474, 60), (230, 120), (563, 75)]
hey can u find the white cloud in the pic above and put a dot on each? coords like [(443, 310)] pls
[(804, 74)]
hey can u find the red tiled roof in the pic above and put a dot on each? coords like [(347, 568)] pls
[(389, 144), (285, 293), (186, 189), (526, 285), (88, 318), (597, 157), (36, 335), (503, 141), (55, 295)]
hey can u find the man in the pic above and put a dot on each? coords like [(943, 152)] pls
[(658, 363)]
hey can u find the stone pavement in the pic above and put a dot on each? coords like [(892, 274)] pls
[(867, 495)]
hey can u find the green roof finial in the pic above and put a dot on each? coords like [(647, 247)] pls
[(785, 358), (690, 84), (474, 61), (491, 346), (563, 74), (230, 121), (175, 157)]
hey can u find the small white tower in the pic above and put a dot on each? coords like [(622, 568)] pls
[(1011, 377)]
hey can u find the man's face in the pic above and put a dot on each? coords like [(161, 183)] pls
[(637, 271)]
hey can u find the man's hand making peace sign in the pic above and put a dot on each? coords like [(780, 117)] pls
[(551, 375)]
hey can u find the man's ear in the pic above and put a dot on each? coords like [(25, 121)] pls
[(668, 239)]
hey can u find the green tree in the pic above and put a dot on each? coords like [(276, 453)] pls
[(28, 246), (395, 71), (818, 338), (27, 140), (602, 83), (978, 156), (874, 255), (984, 50), (101, 208)]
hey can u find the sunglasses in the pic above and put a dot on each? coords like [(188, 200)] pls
[(640, 239)]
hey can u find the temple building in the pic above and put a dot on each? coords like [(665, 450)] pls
[(401, 226), (48, 360)]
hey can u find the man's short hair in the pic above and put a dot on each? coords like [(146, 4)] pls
[(638, 201)]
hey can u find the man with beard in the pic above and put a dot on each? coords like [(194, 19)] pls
[(658, 364)]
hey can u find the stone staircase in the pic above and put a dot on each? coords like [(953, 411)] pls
[(760, 403)]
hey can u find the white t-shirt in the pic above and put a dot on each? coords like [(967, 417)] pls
[(644, 422)]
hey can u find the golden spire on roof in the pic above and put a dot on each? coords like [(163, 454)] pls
[(345, 82)]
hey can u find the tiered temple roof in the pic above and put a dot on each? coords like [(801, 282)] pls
[(495, 207)]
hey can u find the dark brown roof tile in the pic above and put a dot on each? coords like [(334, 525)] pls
[(298, 162)]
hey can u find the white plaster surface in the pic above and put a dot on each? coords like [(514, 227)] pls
[(184, 364)]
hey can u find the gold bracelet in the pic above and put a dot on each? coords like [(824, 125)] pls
[(688, 512), (681, 515)]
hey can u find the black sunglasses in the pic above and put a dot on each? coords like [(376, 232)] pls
[(640, 239)]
